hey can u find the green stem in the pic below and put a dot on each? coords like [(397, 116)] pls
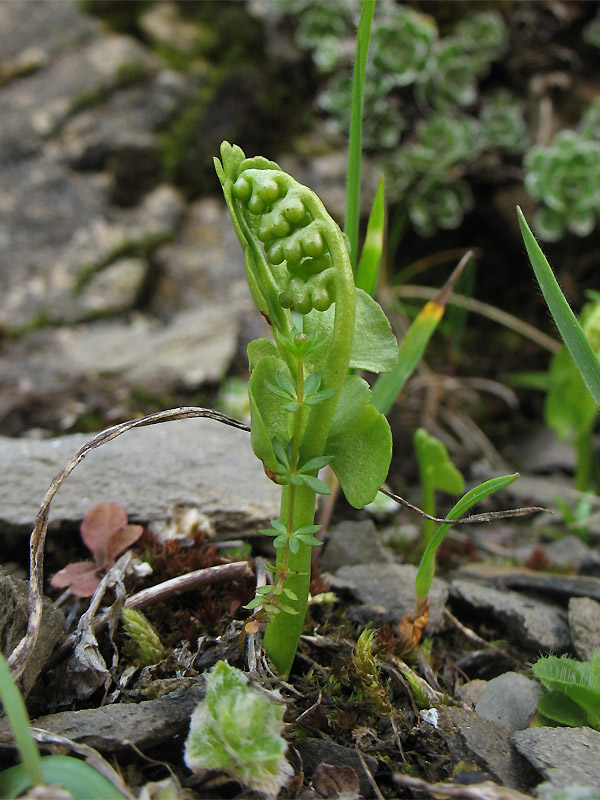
[(283, 632)]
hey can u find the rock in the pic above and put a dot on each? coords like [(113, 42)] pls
[(13, 624), (584, 622), (562, 755), (353, 542), (163, 24), (470, 692), (510, 699), (392, 586), (204, 262), (543, 453), (534, 624), (315, 752), (114, 728), (559, 586), (570, 551), (482, 742), (149, 471)]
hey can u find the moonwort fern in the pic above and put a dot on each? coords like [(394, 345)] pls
[(307, 411)]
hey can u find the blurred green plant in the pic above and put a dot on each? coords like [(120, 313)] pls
[(570, 410), (437, 473), (416, 72), (573, 696), (564, 178)]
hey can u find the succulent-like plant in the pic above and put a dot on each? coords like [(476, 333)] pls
[(402, 46), (236, 729), (565, 178), (503, 124)]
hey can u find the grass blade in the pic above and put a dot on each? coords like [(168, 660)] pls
[(568, 326), (355, 141), (14, 706), (471, 498), (388, 386), (372, 251)]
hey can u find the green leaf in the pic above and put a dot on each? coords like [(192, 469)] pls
[(319, 397), (435, 464), (314, 464), (355, 138), (370, 257), (313, 483), (388, 387), (269, 419), (311, 541), (359, 443), (566, 322), (426, 569), (569, 407), (374, 346), (559, 708), (14, 706), (311, 384), (71, 774), (259, 348)]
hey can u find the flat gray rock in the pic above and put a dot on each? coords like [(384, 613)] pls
[(150, 471), (392, 587), (114, 728), (482, 742), (562, 755), (510, 699), (584, 622), (534, 624), (559, 586)]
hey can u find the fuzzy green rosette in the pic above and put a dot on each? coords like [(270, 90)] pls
[(236, 729)]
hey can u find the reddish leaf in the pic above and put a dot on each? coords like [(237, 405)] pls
[(81, 577), (98, 525), (122, 539)]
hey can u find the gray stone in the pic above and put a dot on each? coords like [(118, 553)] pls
[(392, 586), (353, 542), (114, 728), (551, 584), (13, 624), (584, 621), (470, 692), (150, 471), (534, 624), (482, 742), (562, 755), (510, 699), (203, 264), (571, 551)]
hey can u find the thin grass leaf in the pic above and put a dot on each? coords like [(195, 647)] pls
[(355, 141), (389, 385), (14, 706), (566, 322), (471, 498), (372, 250)]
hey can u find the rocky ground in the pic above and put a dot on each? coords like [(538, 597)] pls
[(118, 296)]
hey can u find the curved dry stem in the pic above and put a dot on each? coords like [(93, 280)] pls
[(22, 652)]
